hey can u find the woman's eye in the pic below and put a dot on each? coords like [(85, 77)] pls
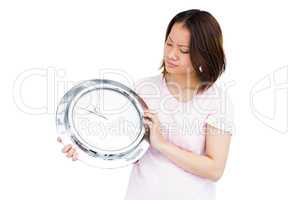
[(185, 52), (168, 44)]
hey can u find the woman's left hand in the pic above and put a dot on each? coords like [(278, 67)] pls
[(156, 136)]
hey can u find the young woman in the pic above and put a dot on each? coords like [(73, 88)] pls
[(189, 117)]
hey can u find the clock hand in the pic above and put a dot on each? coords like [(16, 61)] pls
[(94, 112)]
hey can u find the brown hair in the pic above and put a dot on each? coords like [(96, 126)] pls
[(206, 45)]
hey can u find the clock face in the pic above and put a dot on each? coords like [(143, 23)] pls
[(106, 119)]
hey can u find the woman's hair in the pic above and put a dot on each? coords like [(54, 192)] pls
[(206, 45)]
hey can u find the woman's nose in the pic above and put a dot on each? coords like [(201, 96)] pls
[(172, 55)]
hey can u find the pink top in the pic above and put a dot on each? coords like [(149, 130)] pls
[(154, 177)]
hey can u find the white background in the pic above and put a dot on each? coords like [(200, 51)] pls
[(45, 44)]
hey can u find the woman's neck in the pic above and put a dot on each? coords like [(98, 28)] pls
[(183, 82)]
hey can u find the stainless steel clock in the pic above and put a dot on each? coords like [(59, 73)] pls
[(104, 119)]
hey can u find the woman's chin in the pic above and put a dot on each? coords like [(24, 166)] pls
[(171, 69)]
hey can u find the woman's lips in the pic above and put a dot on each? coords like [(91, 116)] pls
[(171, 64)]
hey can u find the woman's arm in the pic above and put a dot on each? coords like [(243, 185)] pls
[(211, 165)]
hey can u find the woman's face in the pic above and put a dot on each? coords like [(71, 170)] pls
[(176, 52)]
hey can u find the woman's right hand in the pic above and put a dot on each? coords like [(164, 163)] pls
[(69, 150)]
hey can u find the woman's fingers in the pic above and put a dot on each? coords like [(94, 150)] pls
[(150, 115), (67, 148), (75, 156), (71, 152), (150, 111), (147, 121), (59, 140)]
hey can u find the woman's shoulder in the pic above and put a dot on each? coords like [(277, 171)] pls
[(216, 91), (216, 96)]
